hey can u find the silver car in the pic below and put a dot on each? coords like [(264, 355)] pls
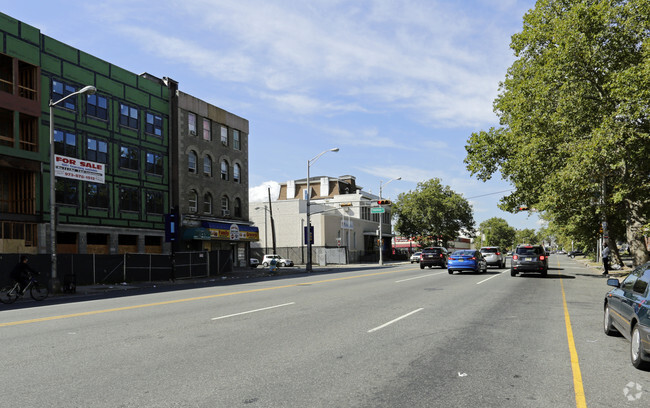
[(415, 257), (494, 256)]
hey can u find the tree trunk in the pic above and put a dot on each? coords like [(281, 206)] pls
[(634, 232)]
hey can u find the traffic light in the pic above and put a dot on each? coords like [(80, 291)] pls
[(384, 202), (523, 208)]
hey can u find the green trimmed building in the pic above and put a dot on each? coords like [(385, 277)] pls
[(127, 133)]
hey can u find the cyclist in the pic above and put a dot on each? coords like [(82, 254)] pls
[(21, 273)]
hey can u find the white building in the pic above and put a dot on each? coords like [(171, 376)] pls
[(345, 230)]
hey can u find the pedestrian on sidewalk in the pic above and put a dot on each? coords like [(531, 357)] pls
[(606, 258)]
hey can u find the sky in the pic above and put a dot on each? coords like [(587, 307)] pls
[(397, 85)]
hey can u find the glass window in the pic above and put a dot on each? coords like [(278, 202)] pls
[(66, 191), (193, 199), (154, 202), (97, 195), (207, 203), (154, 124), (154, 164), (129, 200), (236, 144), (237, 208), (60, 91), (129, 158), (191, 123), (225, 203), (97, 151), (224, 170), (224, 135), (207, 166), (628, 283), (97, 106), (128, 116), (236, 174), (65, 143), (207, 134), (191, 162)]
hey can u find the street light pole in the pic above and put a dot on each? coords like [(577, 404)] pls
[(85, 90), (381, 215), (308, 235)]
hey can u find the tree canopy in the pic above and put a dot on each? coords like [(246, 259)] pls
[(496, 232), (574, 109), (433, 214)]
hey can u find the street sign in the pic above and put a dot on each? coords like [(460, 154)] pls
[(377, 210)]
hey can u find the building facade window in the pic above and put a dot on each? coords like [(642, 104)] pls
[(129, 199), (207, 132), (191, 162), (236, 143), (225, 206), (60, 90), (207, 166), (224, 135), (237, 208), (6, 128), (97, 151), (128, 116), (224, 170), (97, 106), (65, 144), (97, 195), (154, 125), (154, 202), (236, 173), (191, 123), (154, 164), (129, 158), (193, 201), (207, 203), (67, 191)]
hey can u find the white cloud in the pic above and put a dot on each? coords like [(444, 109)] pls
[(261, 193)]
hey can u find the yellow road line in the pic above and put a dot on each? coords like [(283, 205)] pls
[(578, 388), (169, 302)]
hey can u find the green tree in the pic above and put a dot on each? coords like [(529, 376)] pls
[(527, 236), (433, 214), (496, 232), (574, 110)]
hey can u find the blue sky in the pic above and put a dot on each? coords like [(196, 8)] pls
[(397, 85)]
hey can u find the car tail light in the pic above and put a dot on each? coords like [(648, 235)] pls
[(452, 259), (472, 258), (541, 257), (515, 257), (441, 256), (498, 253)]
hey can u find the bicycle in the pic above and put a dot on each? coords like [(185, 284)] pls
[(9, 294)]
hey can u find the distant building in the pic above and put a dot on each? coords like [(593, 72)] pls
[(340, 215)]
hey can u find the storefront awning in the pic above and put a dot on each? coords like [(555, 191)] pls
[(231, 232)]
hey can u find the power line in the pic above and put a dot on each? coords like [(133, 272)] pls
[(483, 195)]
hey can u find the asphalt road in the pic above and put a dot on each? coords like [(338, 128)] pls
[(383, 337)]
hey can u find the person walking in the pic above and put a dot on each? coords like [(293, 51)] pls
[(606, 258)]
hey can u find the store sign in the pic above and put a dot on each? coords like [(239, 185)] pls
[(234, 232), (77, 169)]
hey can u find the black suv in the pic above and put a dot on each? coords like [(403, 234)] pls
[(433, 256), (529, 258)]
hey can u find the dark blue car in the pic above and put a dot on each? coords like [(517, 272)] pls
[(466, 260), (627, 311)]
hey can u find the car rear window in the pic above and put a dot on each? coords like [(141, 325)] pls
[(492, 250), (464, 252), (529, 250), (432, 250)]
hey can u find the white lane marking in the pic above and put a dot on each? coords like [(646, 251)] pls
[(253, 311), (418, 277), (394, 320), (485, 280)]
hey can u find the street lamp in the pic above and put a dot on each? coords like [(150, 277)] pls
[(309, 163), (381, 238), (85, 90)]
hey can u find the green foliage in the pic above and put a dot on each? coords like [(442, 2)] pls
[(433, 214), (527, 236), (497, 232), (574, 110)]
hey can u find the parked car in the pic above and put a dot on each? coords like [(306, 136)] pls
[(253, 262), (529, 258), (466, 260), (433, 256), (415, 257), (627, 311), (494, 256), (573, 254), (280, 261)]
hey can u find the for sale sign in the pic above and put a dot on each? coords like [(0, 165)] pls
[(77, 169)]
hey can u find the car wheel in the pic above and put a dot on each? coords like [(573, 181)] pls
[(450, 271), (512, 272), (503, 264), (636, 350), (265, 264), (421, 266), (411, 261), (280, 263), (607, 323), (544, 272)]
